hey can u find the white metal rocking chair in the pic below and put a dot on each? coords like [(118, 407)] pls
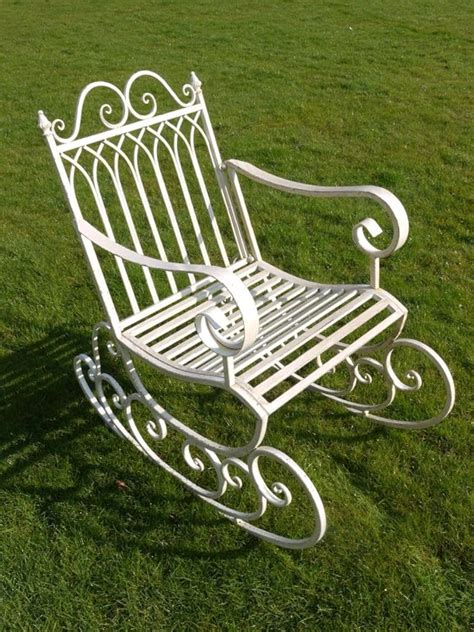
[(236, 322)]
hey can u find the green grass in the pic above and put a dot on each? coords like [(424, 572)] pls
[(374, 92)]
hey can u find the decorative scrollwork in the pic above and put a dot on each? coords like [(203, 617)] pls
[(398, 218), (127, 108), (359, 372), (276, 494)]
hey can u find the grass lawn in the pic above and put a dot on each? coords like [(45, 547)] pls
[(331, 93)]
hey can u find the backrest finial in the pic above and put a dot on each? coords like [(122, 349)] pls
[(44, 123), (195, 81)]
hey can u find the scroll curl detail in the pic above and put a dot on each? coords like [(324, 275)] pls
[(128, 111), (111, 400), (371, 227), (360, 370)]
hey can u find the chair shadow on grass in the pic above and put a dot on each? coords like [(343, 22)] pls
[(45, 419), (49, 433)]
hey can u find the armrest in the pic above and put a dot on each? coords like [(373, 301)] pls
[(389, 201), (209, 321)]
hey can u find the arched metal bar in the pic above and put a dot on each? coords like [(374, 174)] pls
[(186, 195), (167, 200), (148, 211), (126, 208), (93, 185), (123, 203), (202, 185)]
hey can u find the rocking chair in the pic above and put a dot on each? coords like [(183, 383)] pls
[(184, 287)]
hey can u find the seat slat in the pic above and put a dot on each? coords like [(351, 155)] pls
[(198, 355), (300, 386), (330, 317), (200, 350), (303, 359), (278, 333), (272, 328), (180, 316), (268, 312), (235, 329), (207, 292), (187, 329), (133, 320)]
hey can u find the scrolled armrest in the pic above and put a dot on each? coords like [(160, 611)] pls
[(210, 321), (388, 200)]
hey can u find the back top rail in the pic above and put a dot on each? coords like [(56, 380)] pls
[(126, 129)]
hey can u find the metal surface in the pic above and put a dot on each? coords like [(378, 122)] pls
[(218, 314)]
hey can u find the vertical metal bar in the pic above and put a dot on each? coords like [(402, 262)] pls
[(190, 146), (189, 202), (96, 192), (216, 163), (245, 214), (167, 200), (146, 205), (229, 374), (126, 209), (375, 272), (99, 158)]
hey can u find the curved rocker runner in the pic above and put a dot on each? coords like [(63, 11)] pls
[(185, 288)]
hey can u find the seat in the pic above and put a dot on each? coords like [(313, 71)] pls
[(298, 322), (185, 288)]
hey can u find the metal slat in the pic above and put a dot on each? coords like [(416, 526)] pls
[(331, 317), (187, 315), (146, 205), (190, 329), (334, 361), (202, 184), (126, 209), (277, 333), (266, 314), (165, 195), (251, 357), (187, 297), (130, 322), (115, 175), (322, 346), (96, 192), (185, 191), (211, 295), (205, 354)]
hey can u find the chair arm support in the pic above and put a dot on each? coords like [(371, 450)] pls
[(207, 323), (387, 199)]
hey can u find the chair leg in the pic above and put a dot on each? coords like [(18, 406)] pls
[(359, 369), (234, 468)]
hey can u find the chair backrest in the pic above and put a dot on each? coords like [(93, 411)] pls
[(150, 181)]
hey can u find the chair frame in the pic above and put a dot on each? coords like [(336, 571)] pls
[(216, 328)]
